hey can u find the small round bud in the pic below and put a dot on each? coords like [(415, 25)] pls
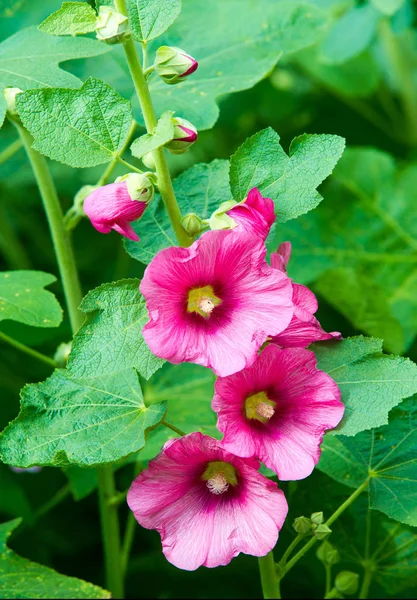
[(61, 355), (302, 525), (328, 554), (347, 582), (111, 26), (317, 518), (220, 219), (149, 161), (185, 134), (322, 531), (10, 94), (139, 186), (173, 64), (192, 224)]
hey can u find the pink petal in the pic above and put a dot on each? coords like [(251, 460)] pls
[(125, 229)]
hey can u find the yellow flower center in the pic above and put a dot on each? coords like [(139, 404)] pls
[(260, 407), (202, 301), (218, 476)]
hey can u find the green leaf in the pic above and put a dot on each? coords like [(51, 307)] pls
[(291, 181), (23, 299), (149, 18), (387, 455), (188, 389), (237, 43), (2, 109), (111, 338), (370, 195), (200, 190), (71, 19), (22, 578), (73, 420), (163, 133), (82, 481), (363, 303), (41, 69), (388, 7), (350, 34), (81, 128), (371, 383)]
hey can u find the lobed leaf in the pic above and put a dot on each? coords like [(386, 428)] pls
[(371, 383), (163, 133), (23, 299), (68, 419), (71, 19), (149, 18), (111, 338), (291, 181), (81, 128), (22, 578), (40, 69), (387, 455)]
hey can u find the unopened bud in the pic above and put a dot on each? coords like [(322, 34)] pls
[(322, 531), (173, 64), (10, 94), (317, 518), (149, 161), (346, 582), (185, 134), (111, 26), (62, 353), (220, 219), (192, 224), (302, 525), (140, 186), (328, 554)]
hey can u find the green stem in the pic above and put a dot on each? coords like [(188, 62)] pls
[(162, 171), (110, 532), (163, 422), (60, 238), (112, 165), (128, 165), (269, 579), (329, 521), (52, 502), (10, 150), (23, 348), (328, 579), (367, 580), (290, 549), (128, 540)]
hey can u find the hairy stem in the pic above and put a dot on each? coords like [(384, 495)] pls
[(162, 171), (23, 348), (110, 532), (269, 579), (329, 521), (60, 238)]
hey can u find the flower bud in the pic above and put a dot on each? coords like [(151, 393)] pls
[(321, 532), (317, 518), (148, 161), (173, 64), (346, 582), (111, 26), (302, 525), (62, 353), (328, 554), (185, 134), (10, 94), (192, 224), (116, 205), (220, 219)]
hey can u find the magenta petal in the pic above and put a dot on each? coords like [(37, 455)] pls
[(125, 229), (200, 528), (256, 301), (307, 403), (254, 215)]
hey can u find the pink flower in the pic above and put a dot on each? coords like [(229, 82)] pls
[(208, 505), (185, 134), (255, 214), (214, 303), (304, 328), (115, 205), (278, 410), (173, 64)]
